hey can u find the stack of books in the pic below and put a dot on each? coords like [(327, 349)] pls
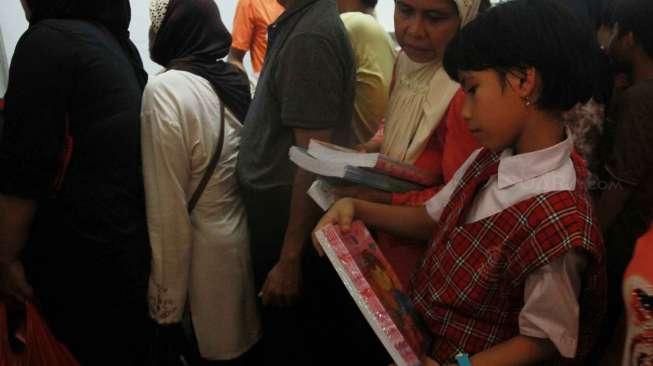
[(372, 170)]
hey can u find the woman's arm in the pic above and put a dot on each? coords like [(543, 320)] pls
[(166, 174), (36, 101), (16, 216)]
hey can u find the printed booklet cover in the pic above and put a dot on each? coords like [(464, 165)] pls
[(373, 284)]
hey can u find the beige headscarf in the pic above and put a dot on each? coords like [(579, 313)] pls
[(420, 99)]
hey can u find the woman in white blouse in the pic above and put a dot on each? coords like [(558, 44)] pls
[(200, 260)]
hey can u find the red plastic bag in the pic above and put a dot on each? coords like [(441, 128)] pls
[(41, 348)]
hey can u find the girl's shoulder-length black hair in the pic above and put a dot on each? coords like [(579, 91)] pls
[(542, 34)]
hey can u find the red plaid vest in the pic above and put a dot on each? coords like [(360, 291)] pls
[(469, 287)]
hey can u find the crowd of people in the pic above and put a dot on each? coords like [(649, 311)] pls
[(157, 220)]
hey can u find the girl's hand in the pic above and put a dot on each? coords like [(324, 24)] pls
[(341, 214), (371, 146)]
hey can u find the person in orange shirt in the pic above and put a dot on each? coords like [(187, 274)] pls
[(250, 31)]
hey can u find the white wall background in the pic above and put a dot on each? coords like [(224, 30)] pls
[(3, 66), (13, 24)]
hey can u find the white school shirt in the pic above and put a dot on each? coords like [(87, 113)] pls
[(551, 292), (203, 258)]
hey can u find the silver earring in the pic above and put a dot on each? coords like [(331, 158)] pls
[(528, 101)]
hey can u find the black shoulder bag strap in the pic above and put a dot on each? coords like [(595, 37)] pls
[(212, 164)]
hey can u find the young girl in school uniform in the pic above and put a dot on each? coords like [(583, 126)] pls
[(514, 272)]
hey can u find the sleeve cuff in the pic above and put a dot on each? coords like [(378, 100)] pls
[(564, 344)]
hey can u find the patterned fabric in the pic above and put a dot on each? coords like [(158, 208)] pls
[(586, 124), (158, 10), (469, 289)]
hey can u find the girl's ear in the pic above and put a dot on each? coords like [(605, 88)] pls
[(525, 83), (528, 85)]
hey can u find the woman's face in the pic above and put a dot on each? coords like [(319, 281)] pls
[(425, 27), (28, 13)]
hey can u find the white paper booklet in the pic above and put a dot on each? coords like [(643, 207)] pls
[(322, 193)]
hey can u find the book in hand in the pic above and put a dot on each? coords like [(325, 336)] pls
[(321, 192), (376, 161), (375, 288), (349, 173)]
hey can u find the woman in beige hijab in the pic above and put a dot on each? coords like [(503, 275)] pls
[(424, 124), (425, 105), (423, 92)]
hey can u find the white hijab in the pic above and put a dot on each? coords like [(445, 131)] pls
[(420, 99)]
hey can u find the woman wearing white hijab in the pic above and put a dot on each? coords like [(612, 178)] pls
[(422, 93), (423, 124), (425, 108)]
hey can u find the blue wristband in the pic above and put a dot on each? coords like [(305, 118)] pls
[(463, 360)]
